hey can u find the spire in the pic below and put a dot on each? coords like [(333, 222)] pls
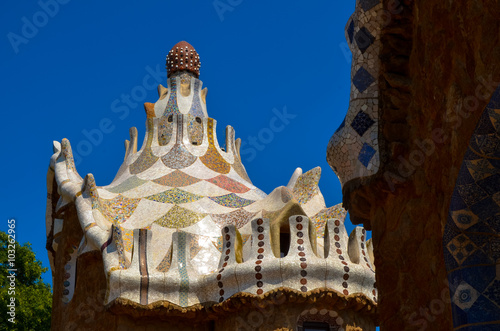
[(183, 56)]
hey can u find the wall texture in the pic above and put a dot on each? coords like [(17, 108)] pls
[(440, 66)]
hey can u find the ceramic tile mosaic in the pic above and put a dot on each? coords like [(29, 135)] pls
[(120, 240), (178, 157), (207, 205), (229, 184), (175, 195), (187, 210), (165, 130), (146, 213), (196, 108), (126, 185), (307, 185), (239, 218), (165, 263), (146, 158), (471, 240), (176, 179), (195, 130), (148, 188), (212, 159), (353, 150), (184, 288), (68, 155), (204, 228), (179, 217), (336, 212), (172, 108), (231, 200), (206, 188), (117, 210)]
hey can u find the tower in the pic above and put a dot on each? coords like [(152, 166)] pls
[(182, 238)]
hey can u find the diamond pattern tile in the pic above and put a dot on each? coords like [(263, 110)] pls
[(362, 122), (350, 31), (464, 218), (493, 292), (461, 247), (366, 154), (364, 39), (495, 100), (362, 79), (471, 193), (472, 247), (465, 296)]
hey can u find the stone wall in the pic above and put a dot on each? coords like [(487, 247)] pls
[(440, 66)]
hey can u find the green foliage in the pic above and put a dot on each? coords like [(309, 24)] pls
[(33, 297)]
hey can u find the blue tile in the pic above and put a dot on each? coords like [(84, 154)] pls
[(362, 79), (483, 310), (494, 115), (364, 39), (494, 163), (350, 31), (495, 99), (483, 327), (368, 4), (477, 257), (474, 146), (471, 193), (478, 269), (464, 176), (454, 280), (450, 231), (479, 277), (492, 292), (494, 223), (362, 122), (479, 239), (457, 203), (484, 125), (470, 155), (490, 184), (493, 248), (481, 169), (481, 226), (459, 316), (488, 143), (449, 260), (366, 154), (485, 208)]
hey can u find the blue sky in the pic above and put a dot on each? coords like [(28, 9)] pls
[(65, 69)]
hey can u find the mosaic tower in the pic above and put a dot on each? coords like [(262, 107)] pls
[(182, 236), (353, 151), (419, 163)]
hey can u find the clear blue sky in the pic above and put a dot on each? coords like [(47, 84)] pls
[(65, 72)]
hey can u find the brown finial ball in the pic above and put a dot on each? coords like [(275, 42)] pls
[(183, 56)]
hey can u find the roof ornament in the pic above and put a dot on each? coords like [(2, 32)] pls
[(181, 57)]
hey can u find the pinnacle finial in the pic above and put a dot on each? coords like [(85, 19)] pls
[(183, 56)]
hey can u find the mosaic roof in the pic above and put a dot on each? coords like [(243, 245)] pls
[(187, 209)]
